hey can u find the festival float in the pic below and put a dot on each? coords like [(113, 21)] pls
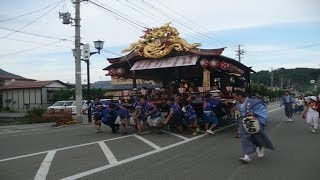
[(163, 56)]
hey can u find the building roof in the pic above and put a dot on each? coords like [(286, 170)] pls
[(107, 85), (134, 56), (126, 62), (30, 84), (4, 75)]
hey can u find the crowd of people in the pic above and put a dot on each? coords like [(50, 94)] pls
[(251, 115), (178, 115), (309, 107)]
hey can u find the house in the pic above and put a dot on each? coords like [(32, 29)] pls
[(21, 96), (7, 78)]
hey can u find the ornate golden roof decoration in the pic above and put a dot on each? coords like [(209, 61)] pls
[(159, 42)]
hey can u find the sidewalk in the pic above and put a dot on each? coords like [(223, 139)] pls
[(11, 115)]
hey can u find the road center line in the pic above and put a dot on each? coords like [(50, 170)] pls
[(45, 165), (148, 142), (107, 152)]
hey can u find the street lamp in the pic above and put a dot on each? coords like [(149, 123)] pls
[(98, 45)]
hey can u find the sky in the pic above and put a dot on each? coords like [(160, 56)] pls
[(273, 33)]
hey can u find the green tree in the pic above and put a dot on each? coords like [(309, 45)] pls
[(63, 94)]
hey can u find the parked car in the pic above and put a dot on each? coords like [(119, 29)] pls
[(60, 105), (84, 106)]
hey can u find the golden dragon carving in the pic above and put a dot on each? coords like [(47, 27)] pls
[(159, 42)]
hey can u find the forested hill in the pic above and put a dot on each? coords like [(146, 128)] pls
[(298, 78)]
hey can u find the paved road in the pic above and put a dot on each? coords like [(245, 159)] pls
[(77, 152)]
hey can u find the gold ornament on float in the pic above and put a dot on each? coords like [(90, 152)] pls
[(159, 42)]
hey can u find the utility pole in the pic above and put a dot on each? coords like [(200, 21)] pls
[(78, 62), (281, 83), (66, 19), (240, 52), (271, 77)]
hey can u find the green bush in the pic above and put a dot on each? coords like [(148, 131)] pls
[(37, 111), (35, 115)]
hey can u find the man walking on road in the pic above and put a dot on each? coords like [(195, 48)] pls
[(253, 117), (287, 100)]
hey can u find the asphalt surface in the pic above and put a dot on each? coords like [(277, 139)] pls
[(44, 152)]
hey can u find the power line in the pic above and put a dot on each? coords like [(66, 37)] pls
[(153, 13), (118, 19), (178, 22), (17, 52), (110, 52), (107, 51), (192, 23), (26, 14), (131, 22), (33, 42), (286, 49), (30, 22), (151, 17), (134, 7), (123, 15), (35, 34)]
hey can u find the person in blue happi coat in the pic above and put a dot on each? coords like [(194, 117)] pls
[(209, 117), (176, 115), (97, 108), (152, 114), (190, 117), (139, 117), (124, 118), (110, 116)]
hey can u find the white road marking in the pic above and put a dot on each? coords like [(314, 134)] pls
[(92, 171), (45, 165), (173, 134), (115, 163), (64, 148), (225, 127), (102, 168), (275, 109), (80, 145), (148, 142), (273, 105), (107, 152)]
